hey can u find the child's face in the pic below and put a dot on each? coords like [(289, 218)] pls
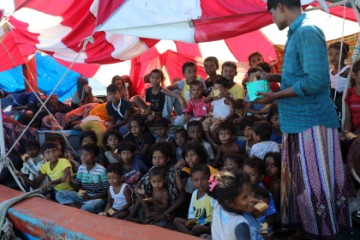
[(135, 128), (126, 156), (256, 137), (112, 142), (157, 182), (155, 79), (161, 131), (200, 181), (228, 72), (192, 158), (196, 91), (356, 77), (231, 164), (244, 202), (87, 157), (271, 170), (254, 175), (223, 90), (114, 97), (190, 74), (159, 159), (210, 68), (51, 154), (180, 139), (114, 179), (195, 133), (87, 140), (225, 136), (275, 121), (119, 83), (334, 57), (32, 151), (248, 132), (254, 60)]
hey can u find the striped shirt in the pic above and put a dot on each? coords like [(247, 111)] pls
[(94, 181)]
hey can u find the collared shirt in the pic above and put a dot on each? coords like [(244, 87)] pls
[(306, 69)]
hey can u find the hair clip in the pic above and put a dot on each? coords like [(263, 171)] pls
[(213, 182)]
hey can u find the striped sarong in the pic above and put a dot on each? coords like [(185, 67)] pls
[(313, 191)]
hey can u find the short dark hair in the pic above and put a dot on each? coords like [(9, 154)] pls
[(199, 150), (164, 148), (277, 158), (227, 126), (253, 55), (345, 48), (260, 192), (236, 157), (263, 129), (157, 171), (116, 168), (112, 88), (162, 122), (212, 59), (181, 131), (247, 121), (92, 148), (229, 64), (194, 123), (126, 146), (252, 70), (48, 145), (109, 133), (272, 4), (88, 133), (156, 70), (200, 168), (32, 144), (186, 65), (222, 81), (256, 163), (265, 66), (195, 83)]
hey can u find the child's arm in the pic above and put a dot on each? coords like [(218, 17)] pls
[(218, 157), (167, 91), (231, 113), (127, 116), (109, 204), (32, 183), (172, 87), (65, 179)]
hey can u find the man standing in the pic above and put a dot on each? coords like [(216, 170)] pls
[(313, 193)]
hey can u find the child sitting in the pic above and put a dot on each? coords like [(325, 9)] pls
[(246, 125), (161, 128), (90, 182), (159, 199), (33, 160), (57, 169), (227, 140), (181, 137), (197, 108), (211, 64), (273, 171), (255, 168), (201, 205), (134, 169), (221, 109), (232, 218), (111, 139), (233, 161), (276, 134), (261, 133), (195, 133), (119, 201), (118, 109)]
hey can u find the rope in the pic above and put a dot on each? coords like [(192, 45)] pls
[(5, 224)]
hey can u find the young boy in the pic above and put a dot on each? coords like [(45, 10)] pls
[(227, 140), (197, 108), (246, 125), (211, 65), (90, 182), (195, 133), (262, 131), (57, 169), (183, 88), (222, 109), (33, 160), (133, 169), (118, 109), (237, 93)]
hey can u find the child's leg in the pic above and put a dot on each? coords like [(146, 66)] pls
[(122, 214), (138, 102), (94, 205), (197, 230), (180, 225)]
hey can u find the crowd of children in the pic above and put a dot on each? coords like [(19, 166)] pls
[(201, 179)]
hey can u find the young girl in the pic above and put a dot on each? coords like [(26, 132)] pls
[(201, 205), (273, 171), (111, 139), (352, 103), (159, 199), (227, 139), (194, 154), (120, 200), (231, 217), (181, 138), (141, 137), (161, 128)]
